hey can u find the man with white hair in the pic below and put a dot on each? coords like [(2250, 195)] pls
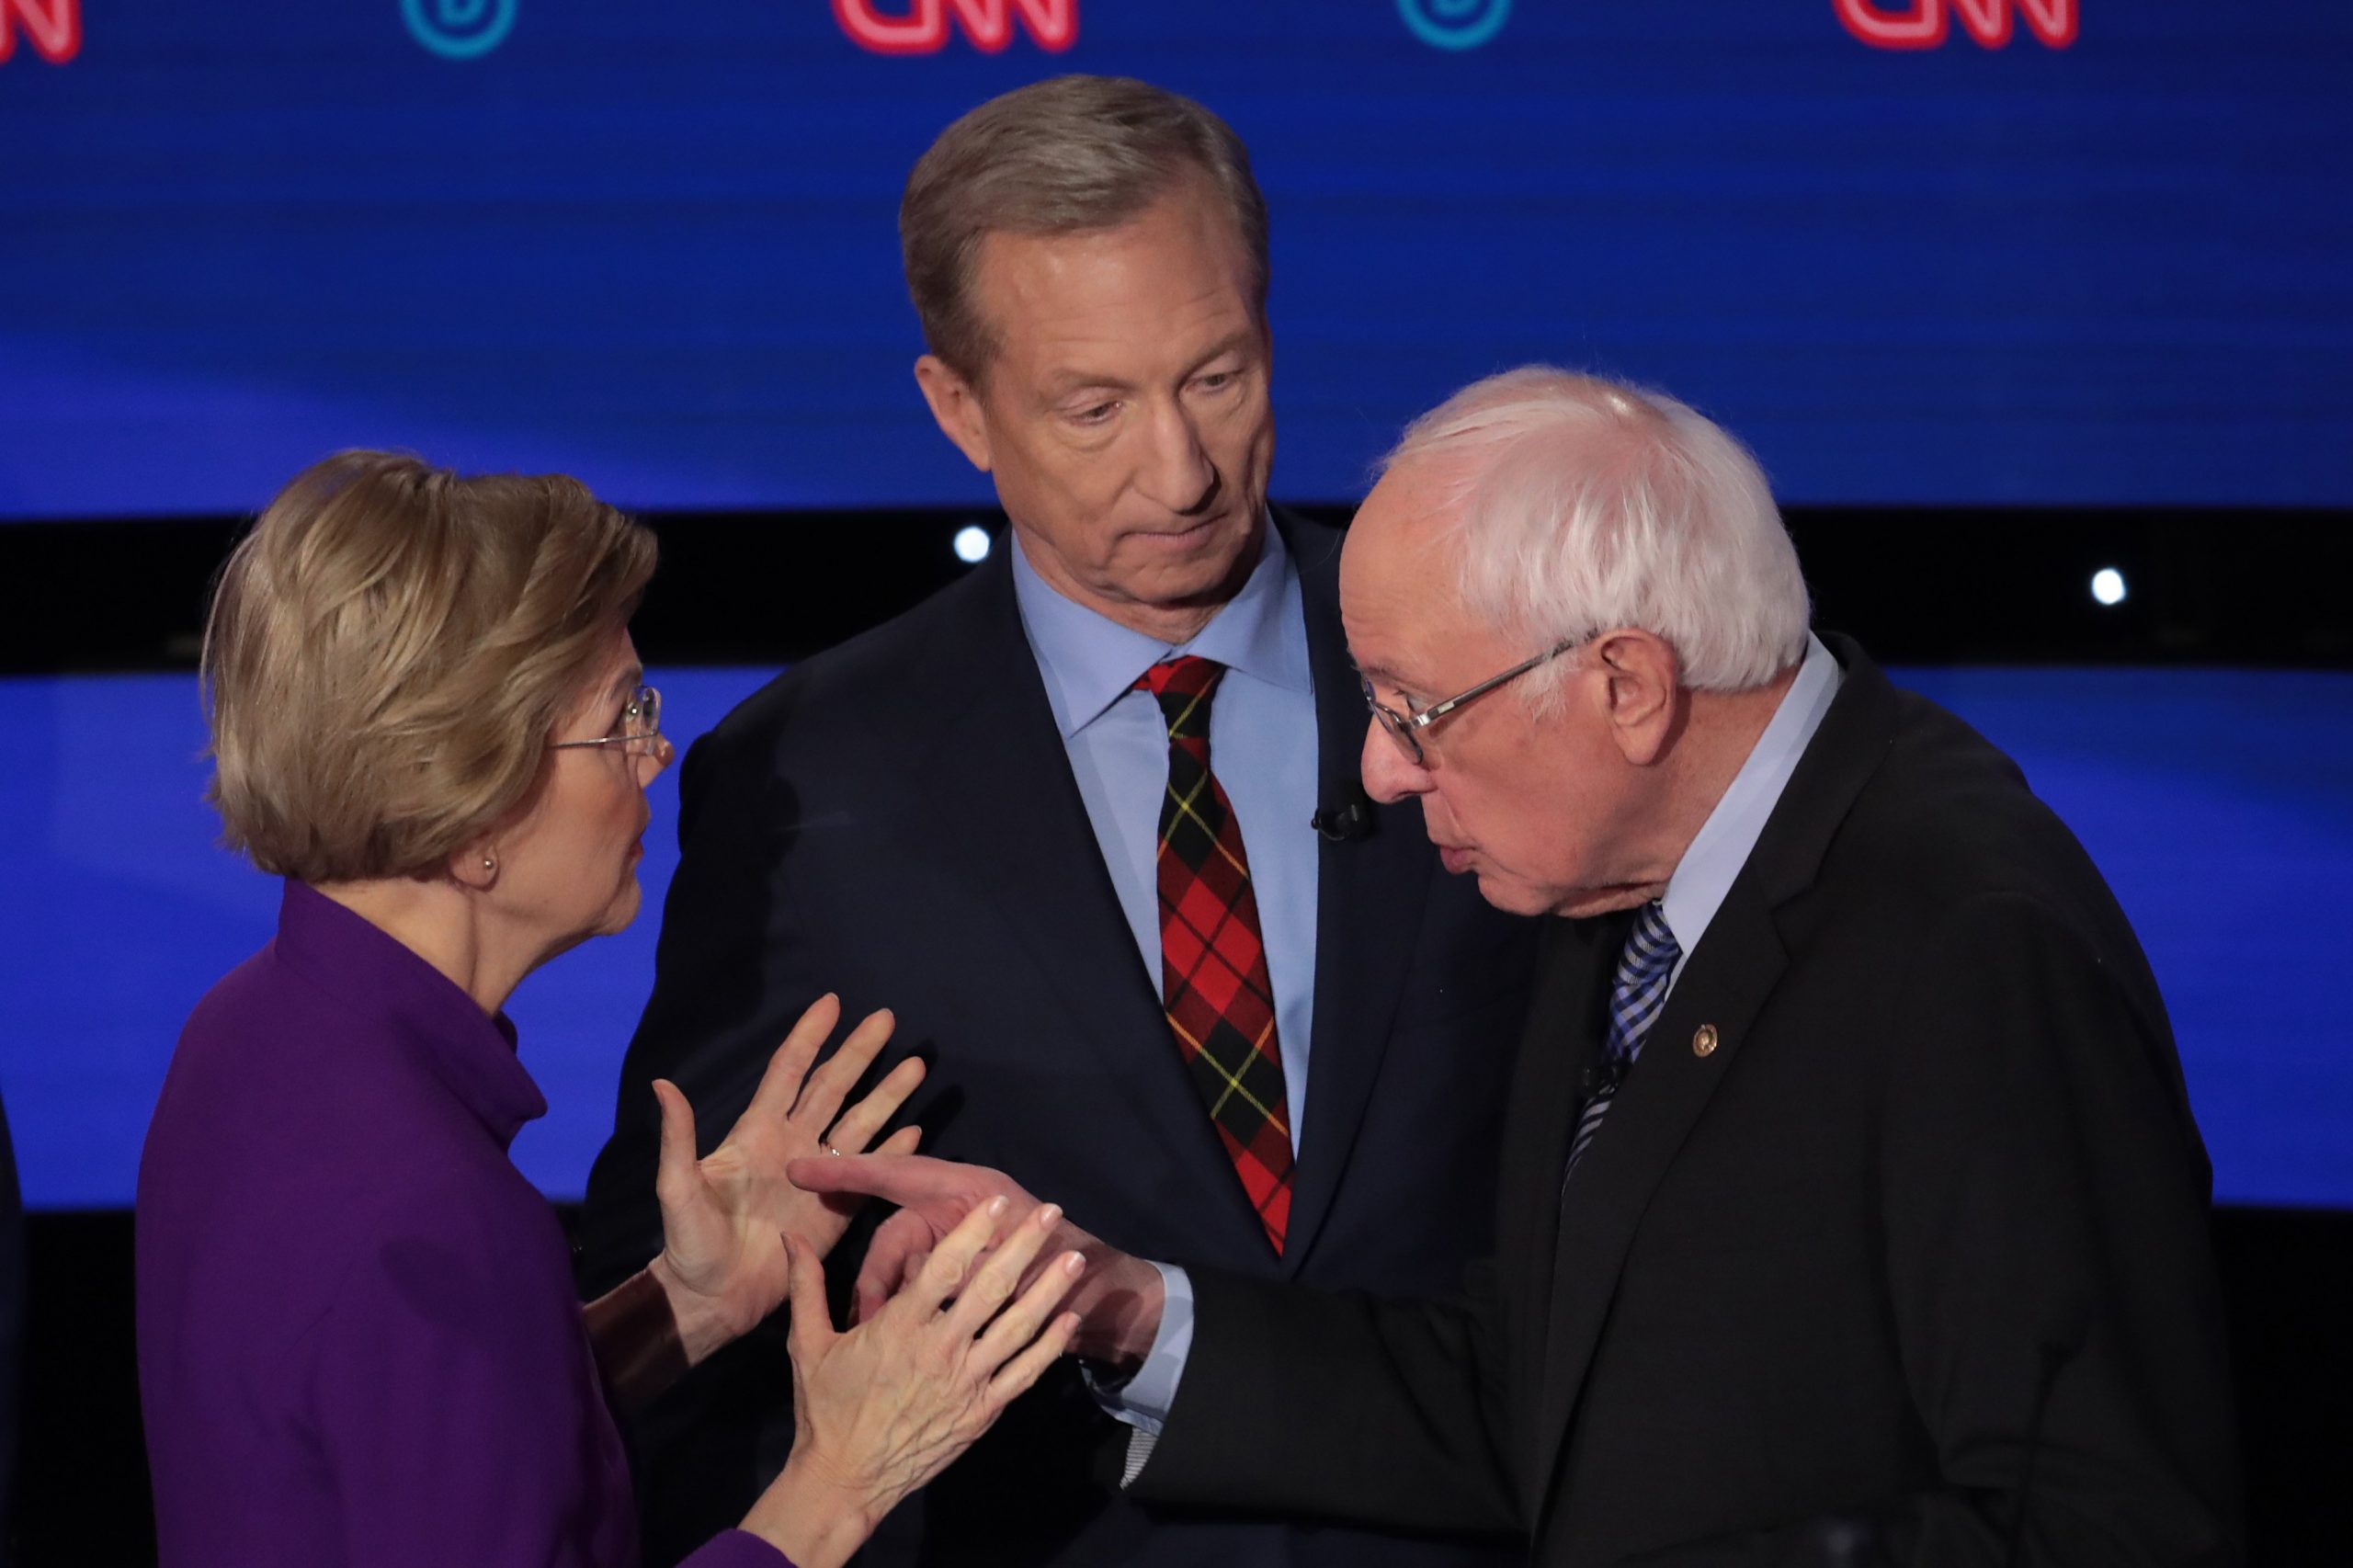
[(1851, 1209)]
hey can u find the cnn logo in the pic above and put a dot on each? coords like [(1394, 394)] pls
[(1925, 24), (922, 27)]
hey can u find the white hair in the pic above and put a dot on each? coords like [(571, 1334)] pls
[(1582, 505)]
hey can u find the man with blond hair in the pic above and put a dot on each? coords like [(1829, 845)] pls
[(1851, 1209), (1089, 822)]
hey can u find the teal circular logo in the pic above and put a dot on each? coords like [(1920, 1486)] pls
[(1454, 23), (459, 29)]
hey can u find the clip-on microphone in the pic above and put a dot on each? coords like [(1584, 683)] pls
[(1351, 818)]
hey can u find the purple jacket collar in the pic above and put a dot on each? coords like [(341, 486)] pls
[(369, 970)]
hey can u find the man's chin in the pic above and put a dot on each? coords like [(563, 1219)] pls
[(1213, 552), (1586, 903), (1511, 897)]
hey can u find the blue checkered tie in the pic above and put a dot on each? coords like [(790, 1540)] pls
[(1636, 998)]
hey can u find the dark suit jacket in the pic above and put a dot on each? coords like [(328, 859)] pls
[(1919, 1244), (896, 820)]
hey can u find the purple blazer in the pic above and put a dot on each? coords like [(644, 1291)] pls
[(359, 1342)]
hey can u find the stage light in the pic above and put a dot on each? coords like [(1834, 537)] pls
[(2108, 585), (971, 544)]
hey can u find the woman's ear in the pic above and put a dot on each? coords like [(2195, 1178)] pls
[(475, 866)]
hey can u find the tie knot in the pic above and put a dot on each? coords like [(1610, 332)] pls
[(1639, 994), (1183, 686), (1651, 949)]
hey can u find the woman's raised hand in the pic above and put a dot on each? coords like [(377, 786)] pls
[(880, 1410), (724, 1264)]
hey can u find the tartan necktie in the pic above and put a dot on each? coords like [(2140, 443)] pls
[(1213, 978), (1637, 997)]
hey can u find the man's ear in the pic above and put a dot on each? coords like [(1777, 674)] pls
[(1640, 680), (956, 405)]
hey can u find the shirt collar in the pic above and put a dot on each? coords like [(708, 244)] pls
[(379, 978), (1722, 847), (1090, 661)]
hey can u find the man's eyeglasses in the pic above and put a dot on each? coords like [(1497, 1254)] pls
[(639, 733), (1406, 728)]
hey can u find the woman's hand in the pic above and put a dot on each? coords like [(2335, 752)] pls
[(723, 1265), (880, 1410)]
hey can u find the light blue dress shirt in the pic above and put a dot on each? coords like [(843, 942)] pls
[(1722, 846), (1694, 892), (1262, 748)]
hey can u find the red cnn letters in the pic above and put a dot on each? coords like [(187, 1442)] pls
[(923, 29), (1925, 24)]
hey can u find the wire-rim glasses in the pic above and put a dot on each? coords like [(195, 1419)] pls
[(639, 732), (1406, 728)]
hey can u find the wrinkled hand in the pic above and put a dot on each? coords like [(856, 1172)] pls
[(724, 1217), (880, 1410), (1119, 1303)]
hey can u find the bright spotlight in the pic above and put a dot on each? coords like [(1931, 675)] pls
[(2108, 585), (972, 545)]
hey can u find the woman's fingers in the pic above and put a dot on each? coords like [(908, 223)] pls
[(1021, 1321), (892, 1258), (821, 1097), (813, 1327), (1014, 1377), (994, 1282), (673, 1171), (862, 1121), (950, 1264), (780, 1084)]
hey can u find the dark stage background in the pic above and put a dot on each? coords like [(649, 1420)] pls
[(2009, 294)]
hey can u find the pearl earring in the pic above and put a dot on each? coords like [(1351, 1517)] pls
[(488, 863)]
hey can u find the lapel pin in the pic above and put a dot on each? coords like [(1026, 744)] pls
[(1703, 1043)]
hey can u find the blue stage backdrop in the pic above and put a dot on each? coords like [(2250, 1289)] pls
[(2214, 801), (2108, 261)]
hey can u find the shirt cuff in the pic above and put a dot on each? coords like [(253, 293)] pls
[(1144, 1400)]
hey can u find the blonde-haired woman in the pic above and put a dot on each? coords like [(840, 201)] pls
[(358, 1338)]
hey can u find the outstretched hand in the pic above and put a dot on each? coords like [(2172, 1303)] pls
[(724, 1217), (880, 1410), (1119, 1303)]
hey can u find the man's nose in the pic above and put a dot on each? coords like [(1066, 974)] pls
[(1178, 471), (1388, 774)]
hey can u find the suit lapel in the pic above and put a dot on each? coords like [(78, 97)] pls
[(1563, 1038), (1005, 810), (1369, 896), (1724, 987)]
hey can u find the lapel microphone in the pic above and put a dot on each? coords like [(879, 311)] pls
[(1351, 819)]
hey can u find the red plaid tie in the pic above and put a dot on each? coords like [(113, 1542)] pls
[(1212, 959)]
